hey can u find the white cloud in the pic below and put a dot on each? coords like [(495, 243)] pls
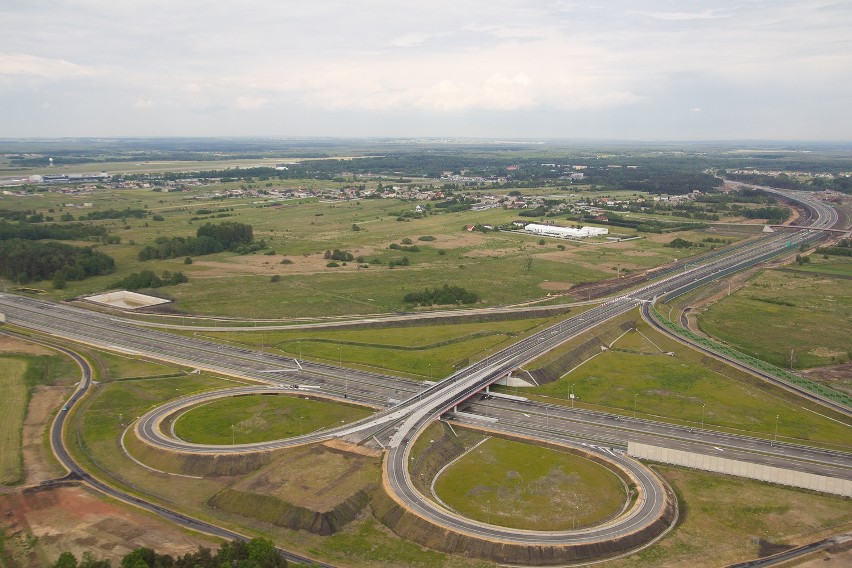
[(680, 16), (409, 40), (33, 65), (250, 103), (430, 62)]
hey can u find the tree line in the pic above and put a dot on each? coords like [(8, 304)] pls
[(26, 261), (256, 553)]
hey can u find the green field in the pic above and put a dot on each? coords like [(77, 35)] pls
[(13, 407), (523, 486), (687, 387), (260, 418), (118, 366), (726, 519), (423, 352), (776, 312)]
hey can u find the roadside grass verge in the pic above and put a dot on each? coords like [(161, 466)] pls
[(95, 429), (524, 486), (731, 519), (684, 387), (13, 407), (118, 366), (421, 352), (777, 312), (260, 418)]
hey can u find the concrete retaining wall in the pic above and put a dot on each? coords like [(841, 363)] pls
[(750, 470)]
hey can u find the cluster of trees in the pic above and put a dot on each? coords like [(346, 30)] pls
[(64, 232), (147, 279), (680, 243), (406, 248), (256, 553), (210, 238), (338, 254), (27, 261), (115, 214), (440, 296), (775, 215), (843, 248)]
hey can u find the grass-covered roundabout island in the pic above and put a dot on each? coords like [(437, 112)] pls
[(260, 418), (525, 486)]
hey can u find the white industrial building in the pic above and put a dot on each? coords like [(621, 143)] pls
[(565, 232)]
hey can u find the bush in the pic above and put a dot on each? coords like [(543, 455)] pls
[(275, 278), (158, 218), (187, 260), (679, 243), (332, 264), (441, 296), (426, 238), (286, 261)]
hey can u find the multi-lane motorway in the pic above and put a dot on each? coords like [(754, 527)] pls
[(402, 423)]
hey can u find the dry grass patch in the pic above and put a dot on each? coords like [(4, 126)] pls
[(314, 477), (13, 404)]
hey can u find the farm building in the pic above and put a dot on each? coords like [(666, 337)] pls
[(565, 232)]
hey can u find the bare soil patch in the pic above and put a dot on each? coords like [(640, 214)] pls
[(9, 344), (836, 376), (555, 285), (75, 519)]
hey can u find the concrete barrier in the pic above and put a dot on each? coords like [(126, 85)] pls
[(772, 474)]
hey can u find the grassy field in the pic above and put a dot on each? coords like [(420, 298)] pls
[(809, 313), (13, 407), (687, 387), (494, 265), (725, 519), (828, 265), (259, 418), (422, 352), (524, 486), (118, 366)]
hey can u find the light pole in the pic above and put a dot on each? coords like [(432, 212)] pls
[(702, 415), (776, 430), (571, 395), (634, 404), (300, 425)]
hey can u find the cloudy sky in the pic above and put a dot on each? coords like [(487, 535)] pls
[(625, 69)]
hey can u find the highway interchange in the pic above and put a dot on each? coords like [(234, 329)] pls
[(399, 425)]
